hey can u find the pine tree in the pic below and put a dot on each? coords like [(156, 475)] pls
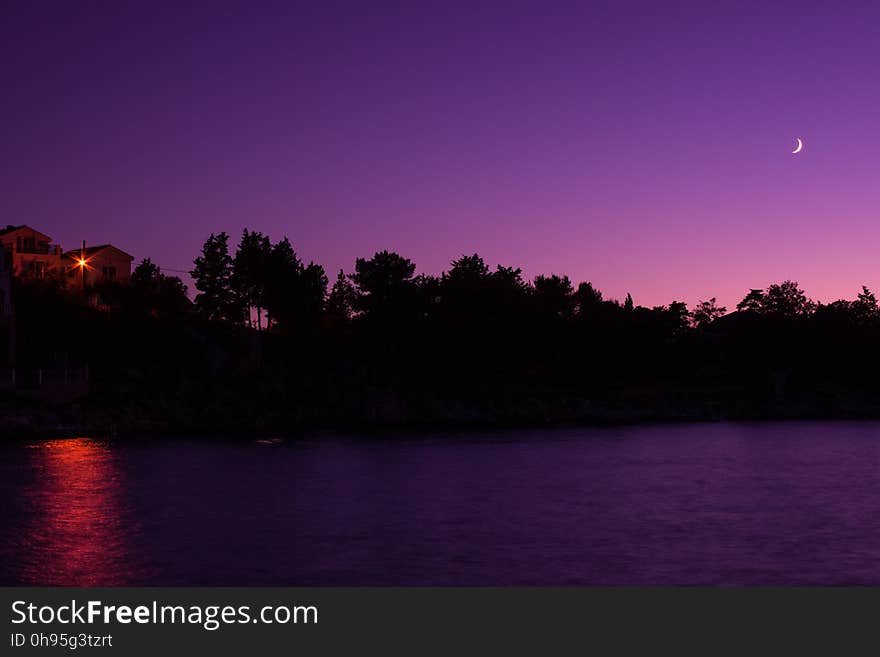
[(250, 269), (212, 274), (343, 297)]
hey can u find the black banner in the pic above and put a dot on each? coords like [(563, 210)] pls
[(270, 621)]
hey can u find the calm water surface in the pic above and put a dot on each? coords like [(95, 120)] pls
[(724, 504)]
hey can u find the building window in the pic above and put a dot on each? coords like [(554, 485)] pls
[(109, 273)]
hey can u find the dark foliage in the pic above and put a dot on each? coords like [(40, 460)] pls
[(212, 273), (474, 344)]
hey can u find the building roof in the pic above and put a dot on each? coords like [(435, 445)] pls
[(74, 254), (11, 229)]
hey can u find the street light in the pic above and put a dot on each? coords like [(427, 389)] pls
[(82, 265)]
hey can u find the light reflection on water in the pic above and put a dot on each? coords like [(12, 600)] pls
[(720, 504), (78, 530)]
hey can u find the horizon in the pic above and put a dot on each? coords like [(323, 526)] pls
[(644, 149)]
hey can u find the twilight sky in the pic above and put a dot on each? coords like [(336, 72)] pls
[(642, 146)]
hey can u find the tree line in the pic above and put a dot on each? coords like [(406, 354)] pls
[(267, 286), (270, 340)]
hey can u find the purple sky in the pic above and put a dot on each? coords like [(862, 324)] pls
[(641, 146)]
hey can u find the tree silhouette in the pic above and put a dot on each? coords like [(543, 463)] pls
[(679, 317), (157, 293), (706, 312), (465, 290), (587, 299), (752, 302), (468, 270), (294, 294), (146, 274), (250, 270), (311, 291), (283, 268), (385, 283), (473, 344), (343, 297), (212, 274), (786, 299), (554, 296), (865, 306)]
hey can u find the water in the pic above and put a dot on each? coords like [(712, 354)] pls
[(717, 504)]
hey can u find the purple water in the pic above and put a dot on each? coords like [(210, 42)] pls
[(718, 504)]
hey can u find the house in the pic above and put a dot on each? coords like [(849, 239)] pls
[(95, 264), (30, 253), (7, 315), (5, 286)]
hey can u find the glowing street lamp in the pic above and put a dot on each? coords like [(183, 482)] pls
[(83, 263)]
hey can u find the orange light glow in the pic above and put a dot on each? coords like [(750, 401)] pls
[(81, 524)]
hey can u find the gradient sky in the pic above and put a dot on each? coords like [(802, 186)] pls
[(642, 146)]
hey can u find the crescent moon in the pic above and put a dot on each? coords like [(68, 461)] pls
[(799, 148)]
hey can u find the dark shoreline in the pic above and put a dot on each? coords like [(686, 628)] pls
[(482, 350), (30, 420)]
